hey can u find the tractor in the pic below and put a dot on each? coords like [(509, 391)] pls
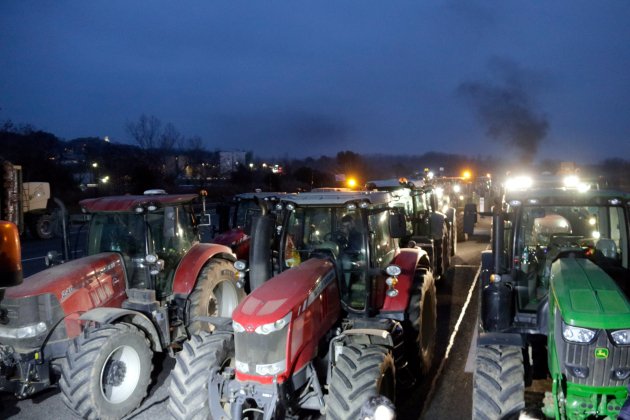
[(91, 325), (431, 229), (554, 303), (350, 316)]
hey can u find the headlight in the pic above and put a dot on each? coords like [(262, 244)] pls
[(393, 270), (273, 326), (238, 328), (621, 337), (240, 265), (577, 334), (28, 331), (271, 368)]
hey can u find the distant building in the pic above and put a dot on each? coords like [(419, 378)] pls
[(229, 161)]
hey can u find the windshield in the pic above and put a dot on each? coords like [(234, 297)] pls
[(341, 233), (544, 233), (244, 211)]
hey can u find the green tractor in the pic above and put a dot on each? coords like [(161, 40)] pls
[(554, 304)]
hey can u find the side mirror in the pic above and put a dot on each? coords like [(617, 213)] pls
[(10, 255)]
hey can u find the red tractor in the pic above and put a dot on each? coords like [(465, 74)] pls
[(351, 316), (432, 227), (92, 324)]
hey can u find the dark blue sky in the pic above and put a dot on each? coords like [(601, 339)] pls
[(298, 78)]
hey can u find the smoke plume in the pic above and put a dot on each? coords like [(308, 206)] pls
[(505, 106)]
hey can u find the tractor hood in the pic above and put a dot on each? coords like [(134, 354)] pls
[(587, 296), (64, 279), (290, 289)]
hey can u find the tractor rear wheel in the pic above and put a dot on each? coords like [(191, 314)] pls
[(106, 371), (499, 382), (188, 389), (421, 324), (451, 215), (442, 254), (461, 236), (215, 294), (360, 372), (44, 226)]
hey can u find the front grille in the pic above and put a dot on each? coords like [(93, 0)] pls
[(600, 370), (255, 351)]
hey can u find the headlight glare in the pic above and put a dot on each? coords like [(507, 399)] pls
[(273, 326), (577, 334), (27, 331), (238, 328), (393, 270), (621, 337)]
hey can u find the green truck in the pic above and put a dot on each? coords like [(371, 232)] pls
[(554, 304)]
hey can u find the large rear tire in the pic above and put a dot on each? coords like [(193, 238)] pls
[(43, 226), (188, 388), (499, 382), (215, 294), (461, 236), (421, 325), (361, 371), (106, 372)]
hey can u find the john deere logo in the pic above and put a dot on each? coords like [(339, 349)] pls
[(601, 353)]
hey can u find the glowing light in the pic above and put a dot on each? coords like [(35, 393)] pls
[(592, 221), (352, 182), (466, 174), (519, 183), (456, 188)]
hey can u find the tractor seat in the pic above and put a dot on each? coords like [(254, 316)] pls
[(607, 247)]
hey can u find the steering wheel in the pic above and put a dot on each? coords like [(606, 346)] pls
[(338, 237)]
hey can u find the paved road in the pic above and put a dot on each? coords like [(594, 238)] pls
[(444, 394)]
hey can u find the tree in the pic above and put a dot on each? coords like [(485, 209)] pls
[(169, 137), (145, 131)]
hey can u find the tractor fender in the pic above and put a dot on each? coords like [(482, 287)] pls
[(377, 336), (113, 315), (192, 263), (500, 339), (437, 221), (408, 260)]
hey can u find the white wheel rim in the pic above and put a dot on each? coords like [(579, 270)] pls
[(121, 389), (226, 298)]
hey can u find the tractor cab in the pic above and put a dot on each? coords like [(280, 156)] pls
[(352, 228), (359, 231), (151, 232)]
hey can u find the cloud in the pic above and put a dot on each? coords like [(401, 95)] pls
[(506, 108)]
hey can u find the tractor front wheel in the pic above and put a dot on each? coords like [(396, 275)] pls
[(360, 372), (188, 389), (106, 371), (421, 327), (499, 382), (215, 294)]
